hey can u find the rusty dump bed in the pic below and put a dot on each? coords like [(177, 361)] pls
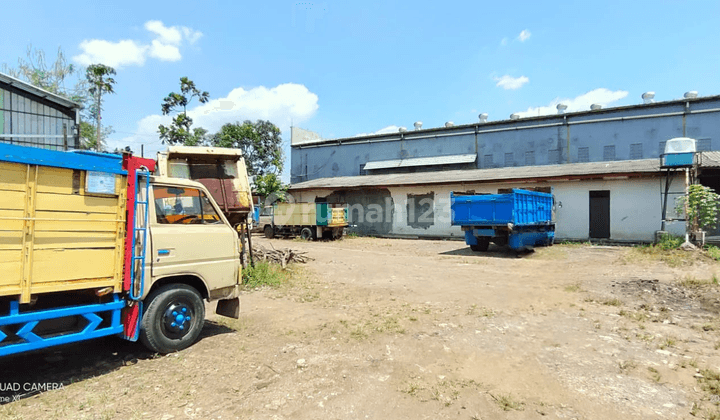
[(221, 170), (62, 221)]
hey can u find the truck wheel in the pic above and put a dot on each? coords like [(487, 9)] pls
[(482, 245), (307, 234), (173, 318), (269, 232)]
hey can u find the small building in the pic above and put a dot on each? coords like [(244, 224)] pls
[(30, 116)]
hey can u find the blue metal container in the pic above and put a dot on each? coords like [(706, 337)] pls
[(521, 208), (520, 219), (678, 159)]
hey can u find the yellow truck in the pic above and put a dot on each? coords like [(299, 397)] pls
[(308, 220), (92, 245)]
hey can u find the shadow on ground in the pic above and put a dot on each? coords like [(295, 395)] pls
[(493, 251), (28, 374)]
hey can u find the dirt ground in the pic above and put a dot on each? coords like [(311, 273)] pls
[(412, 329)]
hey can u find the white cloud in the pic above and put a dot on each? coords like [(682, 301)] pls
[(166, 35), (191, 35), (524, 35), (510, 83), (113, 54), (164, 52), (602, 96), (280, 105), (165, 47), (504, 42), (386, 130)]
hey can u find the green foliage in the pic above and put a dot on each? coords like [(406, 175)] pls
[(713, 252), (100, 80), (264, 274), (53, 77), (265, 185), (179, 131), (260, 142), (668, 242), (703, 205)]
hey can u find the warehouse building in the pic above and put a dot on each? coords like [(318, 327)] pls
[(603, 165), (30, 116)]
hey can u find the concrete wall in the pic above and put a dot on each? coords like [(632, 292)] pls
[(570, 138), (635, 208)]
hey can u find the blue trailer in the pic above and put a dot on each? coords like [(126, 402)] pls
[(520, 219)]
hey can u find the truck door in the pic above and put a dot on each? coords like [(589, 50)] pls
[(190, 237)]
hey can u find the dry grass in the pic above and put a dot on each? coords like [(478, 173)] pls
[(507, 402), (575, 287)]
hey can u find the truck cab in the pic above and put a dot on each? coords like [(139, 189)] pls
[(191, 237)]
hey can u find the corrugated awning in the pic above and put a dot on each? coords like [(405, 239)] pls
[(422, 161)]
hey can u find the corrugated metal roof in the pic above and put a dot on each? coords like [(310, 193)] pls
[(526, 121), (423, 161), (710, 159), (571, 170), (27, 87), (486, 175)]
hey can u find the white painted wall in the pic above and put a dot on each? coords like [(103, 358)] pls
[(635, 207)]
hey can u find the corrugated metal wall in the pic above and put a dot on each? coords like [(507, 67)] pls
[(626, 133), (28, 122)]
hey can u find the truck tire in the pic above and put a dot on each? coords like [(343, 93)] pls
[(173, 318), (307, 234), (269, 232), (482, 245)]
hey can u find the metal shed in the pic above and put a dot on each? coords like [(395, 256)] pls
[(30, 116)]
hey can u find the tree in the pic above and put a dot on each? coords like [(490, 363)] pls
[(101, 82), (35, 70), (703, 207), (178, 132), (269, 184), (260, 142)]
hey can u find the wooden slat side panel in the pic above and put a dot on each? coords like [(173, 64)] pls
[(76, 249), (71, 285), (12, 176), (58, 266), (12, 200), (11, 269), (74, 240), (56, 180), (76, 203), (10, 222)]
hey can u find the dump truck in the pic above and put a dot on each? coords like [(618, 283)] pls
[(308, 220), (93, 245), (520, 219), (222, 170)]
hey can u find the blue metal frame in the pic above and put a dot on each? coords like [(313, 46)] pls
[(141, 257), (30, 320), (88, 161)]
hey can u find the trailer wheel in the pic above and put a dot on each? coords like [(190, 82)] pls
[(173, 318), (307, 234), (269, 232), (482, 245)]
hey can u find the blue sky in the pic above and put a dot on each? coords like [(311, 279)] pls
[(364, 67)]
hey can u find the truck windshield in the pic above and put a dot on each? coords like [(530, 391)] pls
[(183, 206)]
